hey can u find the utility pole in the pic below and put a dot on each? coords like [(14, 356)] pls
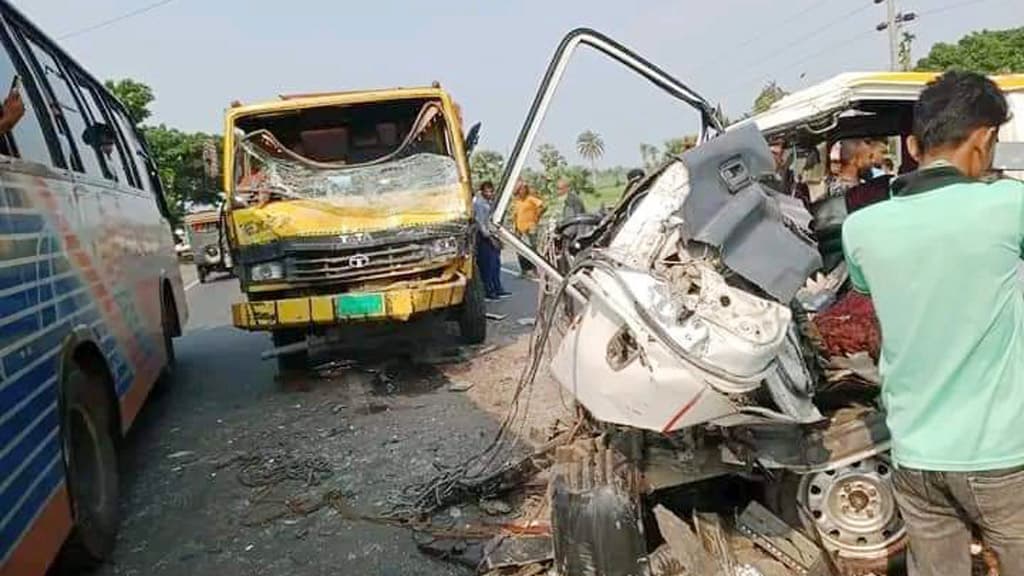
[(893, 24)]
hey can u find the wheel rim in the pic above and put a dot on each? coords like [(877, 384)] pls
[(854, 509)]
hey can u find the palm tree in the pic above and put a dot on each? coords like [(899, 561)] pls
[(591, 147)]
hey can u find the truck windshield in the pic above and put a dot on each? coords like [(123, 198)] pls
[(393, 154)]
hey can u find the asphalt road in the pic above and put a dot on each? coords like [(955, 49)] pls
[(224, 471)]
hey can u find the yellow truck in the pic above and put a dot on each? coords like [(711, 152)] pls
[(350, 208)]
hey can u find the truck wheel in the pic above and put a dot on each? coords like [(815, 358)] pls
[(854, 510), (473, 312), (201, 270), (296, 360), (594, 502), (91, 460)]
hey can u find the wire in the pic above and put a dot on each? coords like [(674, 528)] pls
[(755, 38), (948, 7), (115, 19)]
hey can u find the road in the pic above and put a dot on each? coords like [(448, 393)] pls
[(225, 424)]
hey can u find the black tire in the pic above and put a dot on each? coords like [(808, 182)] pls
[(90, 454), (290, 362), (202, 272), (473, 312)]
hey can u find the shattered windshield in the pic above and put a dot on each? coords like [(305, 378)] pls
[(384, 160)]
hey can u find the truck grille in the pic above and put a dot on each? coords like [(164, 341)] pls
[(354, 264)]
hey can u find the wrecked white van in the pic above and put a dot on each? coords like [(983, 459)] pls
[(710, 335)]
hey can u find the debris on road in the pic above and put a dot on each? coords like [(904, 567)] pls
[(459, 386), (529, 321), (495, 507), (495, 316)]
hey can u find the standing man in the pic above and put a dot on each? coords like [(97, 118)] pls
[(940, 263), (528, 210), (572, 204), (488, 249)]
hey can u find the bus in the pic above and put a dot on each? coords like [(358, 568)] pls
[(90, 299)]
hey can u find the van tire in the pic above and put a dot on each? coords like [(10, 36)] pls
[(290, 362), (473, 312), (90, 455)]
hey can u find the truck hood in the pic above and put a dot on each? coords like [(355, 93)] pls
[(308, 218)]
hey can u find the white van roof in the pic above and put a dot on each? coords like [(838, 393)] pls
[(838, 92)]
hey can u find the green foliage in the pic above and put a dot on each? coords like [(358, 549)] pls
[(770, 94), (135, 96), (590, 146), (985, 52), (676, 146), (486, 165), (650, 155), (178, 155)]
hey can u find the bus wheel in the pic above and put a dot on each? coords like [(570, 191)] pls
[(473, 312), (91, 460), (296, 360)]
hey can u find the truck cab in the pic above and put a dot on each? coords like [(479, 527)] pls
[(348, 208)]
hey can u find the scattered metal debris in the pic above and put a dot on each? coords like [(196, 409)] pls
[(504, 552), (783, 542), (265, 470), (685, 544), (496, 317)]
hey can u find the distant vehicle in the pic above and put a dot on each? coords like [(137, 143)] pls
[(90, 298), (207, 243), (181, 246), (349, 208)]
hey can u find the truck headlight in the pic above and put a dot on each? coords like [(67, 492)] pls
[(442, 247), (266, 271)]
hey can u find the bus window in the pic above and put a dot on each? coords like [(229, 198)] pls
[(111, 150), (26, 140), (135, 150), (65, 105)]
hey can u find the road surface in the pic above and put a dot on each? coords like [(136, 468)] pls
[(204, 491)]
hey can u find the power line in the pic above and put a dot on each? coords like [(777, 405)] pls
[(116, 19), (755, 38), (801, 39)]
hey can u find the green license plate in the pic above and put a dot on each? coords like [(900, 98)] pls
[(359, 305)]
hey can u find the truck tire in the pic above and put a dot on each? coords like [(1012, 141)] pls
[(473, 312), (87, 435), (290, 362), (202, 272)]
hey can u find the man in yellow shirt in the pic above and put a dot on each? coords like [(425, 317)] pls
[(528, 210)]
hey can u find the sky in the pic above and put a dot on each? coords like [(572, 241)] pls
[(200, 55)]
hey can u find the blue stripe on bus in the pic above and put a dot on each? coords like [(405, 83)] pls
[(34, 468), (19, 301), (19, 329), (21, 223), (16, 390), (39, 496), (66, 285), (30, 351), (11, 276), (46, 425)]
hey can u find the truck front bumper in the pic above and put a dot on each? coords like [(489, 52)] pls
[(398, 304)]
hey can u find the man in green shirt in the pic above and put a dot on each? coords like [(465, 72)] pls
[(939, 260)]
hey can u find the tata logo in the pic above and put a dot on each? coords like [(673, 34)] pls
[(358, 261)]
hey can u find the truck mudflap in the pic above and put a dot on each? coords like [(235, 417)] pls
[(398, 304)]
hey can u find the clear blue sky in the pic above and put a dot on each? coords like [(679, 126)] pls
[(199, 55)]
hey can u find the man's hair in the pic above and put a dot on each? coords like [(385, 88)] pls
[(487, 185), (849, 148), (954, 105)]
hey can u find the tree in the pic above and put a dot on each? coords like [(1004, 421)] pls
[(486, 165), (985, 52), (770, 94), (135, 96), (676, 146), (650, 155), (904, 55), (590, 146)]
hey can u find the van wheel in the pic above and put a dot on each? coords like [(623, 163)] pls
[(854, 511), (90, 457), (473, 312), (296, 360)]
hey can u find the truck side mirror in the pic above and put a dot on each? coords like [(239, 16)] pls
[(472, 137)]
